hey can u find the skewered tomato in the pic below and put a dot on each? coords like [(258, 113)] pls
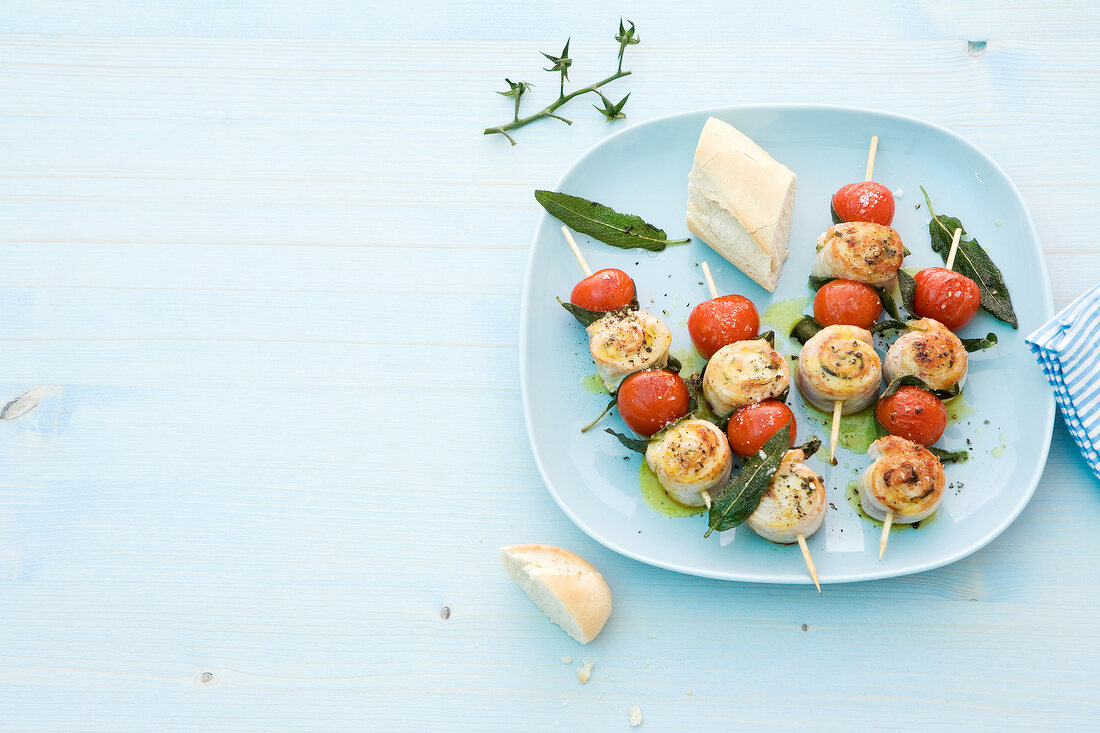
[(948, 296), (863, 201), (650, 400), (847, 303), (721, 321), (914, 414), (750, 427), (606, 290)]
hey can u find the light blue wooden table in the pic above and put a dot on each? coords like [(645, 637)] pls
[(273, 270)]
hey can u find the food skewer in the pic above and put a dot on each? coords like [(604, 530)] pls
[(794, 506), (799, 536), (871, 158), (576, 250), (834, 430), (904, 483), (954, 248)]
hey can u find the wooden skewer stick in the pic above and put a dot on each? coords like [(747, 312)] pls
[(954, 248), (834, 434), (710, 280), (871, 157), (809, 560), (706, 498), (885, 534), (576, 250)]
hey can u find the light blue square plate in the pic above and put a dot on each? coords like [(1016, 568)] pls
[(642, 169)]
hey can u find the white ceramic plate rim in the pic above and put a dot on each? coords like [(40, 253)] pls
[(979, 543)]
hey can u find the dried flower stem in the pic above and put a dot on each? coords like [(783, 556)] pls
[(549, 110)]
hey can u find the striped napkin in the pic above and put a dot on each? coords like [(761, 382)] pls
[(1068, 349)]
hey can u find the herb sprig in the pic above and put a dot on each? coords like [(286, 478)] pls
[(560, 65)]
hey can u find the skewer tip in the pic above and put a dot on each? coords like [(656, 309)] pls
[(809, 560), (885, 534)]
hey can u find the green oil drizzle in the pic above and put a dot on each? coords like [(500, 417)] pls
[(959, 409), (857, 431), (998, 452), (592, 383), (782, 315), (691, 361), (656, 499)]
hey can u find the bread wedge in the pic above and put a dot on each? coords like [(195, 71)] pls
[(564, 587), (740, 202)]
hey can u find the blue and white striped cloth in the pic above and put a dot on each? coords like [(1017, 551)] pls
[(1068, 350)]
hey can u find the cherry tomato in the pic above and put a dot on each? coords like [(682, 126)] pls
[(914, 414), (947, 296), (721, 321), (750, 427), (847, 303), (606, 290), (650, 400), (864, 201)]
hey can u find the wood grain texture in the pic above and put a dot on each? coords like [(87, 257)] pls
[(241, 239)]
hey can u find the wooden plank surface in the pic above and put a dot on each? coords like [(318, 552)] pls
[(272, 269)]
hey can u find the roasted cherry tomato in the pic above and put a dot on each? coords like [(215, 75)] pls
[(863, 201), (650, 400), (606, 290), (721, 321), (914, 414), (750, 427), (947, 296), (847, 303)]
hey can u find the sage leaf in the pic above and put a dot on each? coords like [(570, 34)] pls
[(816, 281), (768, 336), (974, 262), (606, 410), (908, 287), (980, 344), (889, 325), (887, 301), (585, 316), (958, 456), (635, 444), (809, 448), (739, 498), (911, 381), (833, 214), (625, 231), (698, 408), (673, 364), (805, 329)]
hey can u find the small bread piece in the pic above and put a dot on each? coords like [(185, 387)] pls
[(740, 202), (564, 587)]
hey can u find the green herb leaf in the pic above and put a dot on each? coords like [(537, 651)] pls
[(959, 456), (635, 444), (974, 262), (697, 402), (768, 336), (673, 365), (816, 281), (889, 325), (606, 410), (585, 316), (625, 231), (908, 287), (833, 214), (739, 498), (979, 344), (809, 448), (805, 329), (911, 381), (887, 302)]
